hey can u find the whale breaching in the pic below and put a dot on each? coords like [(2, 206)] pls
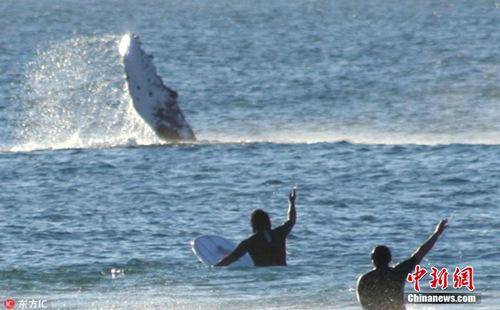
[(153, 101)]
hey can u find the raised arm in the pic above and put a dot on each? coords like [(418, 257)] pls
[(286, 228), (240, 250), (419, 254)]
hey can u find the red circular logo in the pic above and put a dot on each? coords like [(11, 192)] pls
[(10, 304)]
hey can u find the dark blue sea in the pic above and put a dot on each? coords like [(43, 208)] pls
[(384, 114)]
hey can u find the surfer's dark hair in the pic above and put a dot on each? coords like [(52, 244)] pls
[(260, 221), (381, 256)]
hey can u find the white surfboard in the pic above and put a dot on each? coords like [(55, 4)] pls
[(211, 249), (153, 101)]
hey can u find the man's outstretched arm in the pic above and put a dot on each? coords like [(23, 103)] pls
[(286, 228), (419, 254), (240, 250)]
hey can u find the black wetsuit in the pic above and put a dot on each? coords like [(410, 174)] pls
[(266, 252), (383, 288)]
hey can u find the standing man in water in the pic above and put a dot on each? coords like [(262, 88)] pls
[(383, 287), (266, 246)]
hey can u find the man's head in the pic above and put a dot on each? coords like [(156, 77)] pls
[(260, 221), (381, 256)]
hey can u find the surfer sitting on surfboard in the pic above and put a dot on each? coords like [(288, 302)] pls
[(266, 246)]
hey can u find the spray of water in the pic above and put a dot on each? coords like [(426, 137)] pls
[(74, 96)]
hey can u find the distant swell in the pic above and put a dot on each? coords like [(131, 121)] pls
[(125, 142)]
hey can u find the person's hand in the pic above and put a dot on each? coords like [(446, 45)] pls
[(292, 196), (441, 226)]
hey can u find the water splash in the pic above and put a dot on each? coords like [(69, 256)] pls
[(74, 96)]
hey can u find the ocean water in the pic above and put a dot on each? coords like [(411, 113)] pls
[(385, 114)]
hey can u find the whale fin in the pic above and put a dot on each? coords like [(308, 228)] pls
[(153, 101)]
